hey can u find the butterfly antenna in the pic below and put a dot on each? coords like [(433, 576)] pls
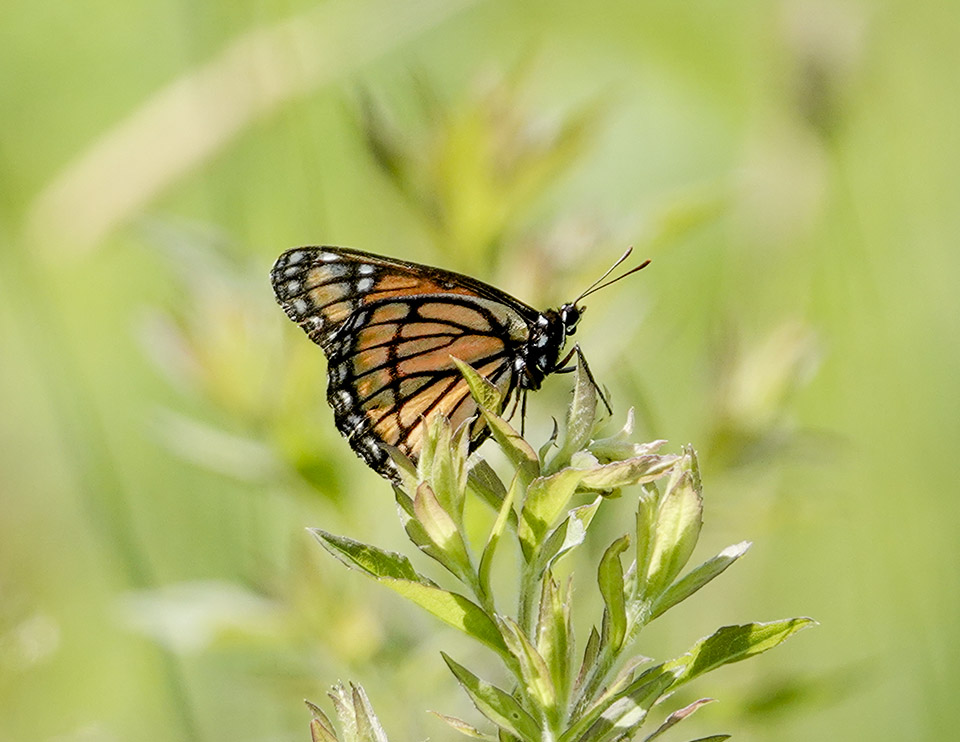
[(598, 284)]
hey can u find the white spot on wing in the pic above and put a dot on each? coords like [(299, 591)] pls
[(300, 305), (329, 257), (293, 286), (364, 284), (295, 257), (366, 269)]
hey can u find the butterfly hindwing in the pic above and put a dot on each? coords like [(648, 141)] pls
[(389, 329)]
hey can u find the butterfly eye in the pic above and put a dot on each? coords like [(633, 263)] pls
[(570, 316)]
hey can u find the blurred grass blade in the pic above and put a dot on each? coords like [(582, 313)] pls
[(204, 111)]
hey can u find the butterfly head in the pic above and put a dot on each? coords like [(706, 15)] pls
[(570, 316)]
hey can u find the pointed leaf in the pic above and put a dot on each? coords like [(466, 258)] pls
[(628, 472), (733, 644), (368, 726), (463, 727), (485, 394), (555, 635), (451, 608), (533, 668), (697, 578), (444, 471), (546, 499), (319, 733), (489, 400), (516, 449), (610, 577), (623, 713), (486, 560), (567, 536), (370, 559), (646, 522), (581, 415), (483, 482), (677, 716), (443, 532), (321, 729), (497, 705), (679, 519), (345, 713), (590, 652)]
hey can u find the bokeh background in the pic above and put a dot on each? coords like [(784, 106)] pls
[(790, 166)]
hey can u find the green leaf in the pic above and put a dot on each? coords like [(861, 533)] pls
[(677, 716), (697, 578), (623, 713), (567, 536), (485, 394), (415, 530), (733, 644), (546, 499), (646, 522), (318, 733), (463, 727), (486, 559), (451, 608), (489, 400), (610, 578), (533, 668), (555, 634), (368, 726), (443, 532), (442, 468), (581, 415), (590, 653), (321, 729), (520, 454), (550, 442), (628, 472), (712, 738), (679, 519), (370, 559), (620, 446), (396, 572), (405, 467), (483, 482), (497, 705)]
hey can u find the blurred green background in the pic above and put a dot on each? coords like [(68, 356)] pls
[(791, 167)]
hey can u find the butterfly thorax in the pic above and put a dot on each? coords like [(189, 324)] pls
[(541, 353)]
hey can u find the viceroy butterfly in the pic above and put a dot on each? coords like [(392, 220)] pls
[(389, 328)]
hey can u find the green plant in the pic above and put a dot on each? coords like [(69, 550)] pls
[(606, 695)]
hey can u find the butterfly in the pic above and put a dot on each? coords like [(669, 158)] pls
[(389, 329)]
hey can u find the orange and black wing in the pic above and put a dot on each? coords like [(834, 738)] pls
[(389, 329)]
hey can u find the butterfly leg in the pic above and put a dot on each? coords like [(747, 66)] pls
[(581, 360), (523, 412)]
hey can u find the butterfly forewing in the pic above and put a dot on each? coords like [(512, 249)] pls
[(389, 329)]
